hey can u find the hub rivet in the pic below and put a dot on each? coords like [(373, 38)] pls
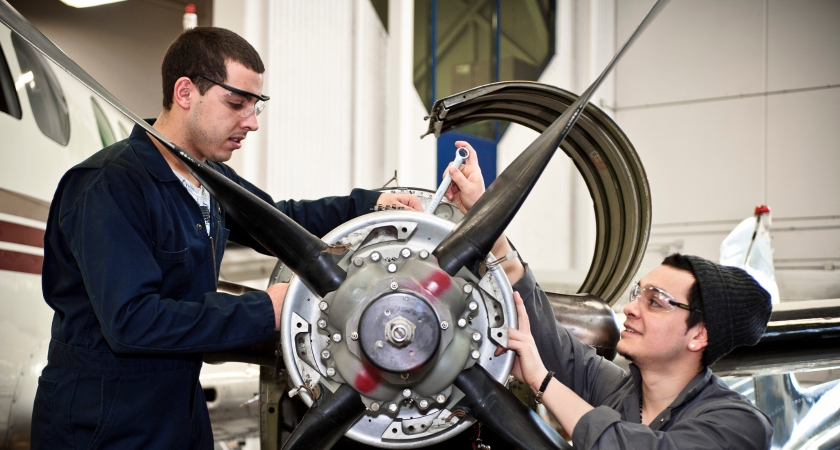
[(374, 406), (423, 404), (392, 408), (475, 354), (354, 336), (440, 398), (322, 324), (330, 371), (406, 393), (325, 354), (468, 289), (405, 253), (337, 337), (424, 254), (392, 267), (462, 322), (358, 262), (323, 306), (444, 325), (476, 336), (379, 344), (375, 256), (394, 285), (472, 306)]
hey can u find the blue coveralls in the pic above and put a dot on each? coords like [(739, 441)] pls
[(131, 274)]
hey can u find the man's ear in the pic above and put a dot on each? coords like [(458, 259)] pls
[(698, 338), (182, 93)]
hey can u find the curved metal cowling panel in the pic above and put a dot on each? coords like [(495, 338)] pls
[(602, 154)]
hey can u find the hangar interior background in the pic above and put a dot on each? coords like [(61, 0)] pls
[(728, 103)]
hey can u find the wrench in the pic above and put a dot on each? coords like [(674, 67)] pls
[(460, 156)]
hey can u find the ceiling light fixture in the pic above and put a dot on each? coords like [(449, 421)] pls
[(88, 3)]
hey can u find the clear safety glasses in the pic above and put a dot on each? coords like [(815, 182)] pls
[(242, 103), (656, 300)]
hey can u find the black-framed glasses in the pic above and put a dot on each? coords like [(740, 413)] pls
[(237, 99), (657, 300)]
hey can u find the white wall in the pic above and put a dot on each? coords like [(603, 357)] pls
[(731, 104)]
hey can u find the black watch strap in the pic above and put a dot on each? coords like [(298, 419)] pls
[(544, 386)]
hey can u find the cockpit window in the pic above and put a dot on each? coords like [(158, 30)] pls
[(9, 102), (44, 92), (106, 133)]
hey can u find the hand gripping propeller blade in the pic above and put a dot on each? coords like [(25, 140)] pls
[(297, 248), (471, 240)]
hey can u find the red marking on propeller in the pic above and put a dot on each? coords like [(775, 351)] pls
[(437, 283), (367, 380)]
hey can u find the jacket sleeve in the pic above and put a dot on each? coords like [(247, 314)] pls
[(574, 363), (124, 271), (318, 217), (719, 425)]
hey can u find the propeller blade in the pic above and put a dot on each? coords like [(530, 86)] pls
[(327, 420), (297, 248), (471, 240), (500, 410)]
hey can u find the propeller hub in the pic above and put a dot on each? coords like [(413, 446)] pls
[(399, 332)]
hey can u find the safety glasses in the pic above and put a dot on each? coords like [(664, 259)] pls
[(240, 101), (655, 300)]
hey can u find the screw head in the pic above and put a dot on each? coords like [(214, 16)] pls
[(462, 322), (336, 337), (475, 354), (325, 354), (392, 267), (330, 371), (323, 306), (374, 406), (375, 256), (406, 393), (468, 289), (358, 262), (405, 253), (444, 325), (423, 404), (394, 284), (476, 336), (392, 408), (424, 254), (440, 398), (354, 336), (472, 306), (322, 324)]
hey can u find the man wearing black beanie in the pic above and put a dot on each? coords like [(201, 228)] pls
[(683, 316)]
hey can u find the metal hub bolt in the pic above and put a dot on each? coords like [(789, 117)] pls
[(336, 337), (375, 256), (462, 322), (405, 253), (358, 262), (406, 393), (394, 285), (444, 325), (392, 408), (468, 289), (476, 336), (374, 406), (475, 354), (325, 354), (472, 306), (323, 306), (354, 336), (424, 254), (392, 268), (322, 324), (423, 404), (330, 371), (399, 331), (440, 398)]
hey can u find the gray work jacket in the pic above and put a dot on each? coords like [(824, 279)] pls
[(706, 414)]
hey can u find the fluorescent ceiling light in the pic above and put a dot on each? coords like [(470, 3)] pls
[(88, 3)]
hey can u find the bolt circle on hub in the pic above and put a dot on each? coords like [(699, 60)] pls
[(399, 333)]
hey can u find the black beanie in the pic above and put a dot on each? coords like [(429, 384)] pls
[(736, 308)]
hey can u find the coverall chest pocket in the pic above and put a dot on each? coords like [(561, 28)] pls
[(175, 267)]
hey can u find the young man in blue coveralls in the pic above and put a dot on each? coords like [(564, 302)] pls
[(132, 252)]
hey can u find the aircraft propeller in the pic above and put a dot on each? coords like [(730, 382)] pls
[(313, 260)]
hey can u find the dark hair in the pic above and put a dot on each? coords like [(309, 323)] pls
[(680, 262), (205, 51)]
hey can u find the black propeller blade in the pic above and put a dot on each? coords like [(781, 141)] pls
[(285, 239), (497, 408), (327, 420), (471, 240)]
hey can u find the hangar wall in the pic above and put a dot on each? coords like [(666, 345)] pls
[(732, 104)]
